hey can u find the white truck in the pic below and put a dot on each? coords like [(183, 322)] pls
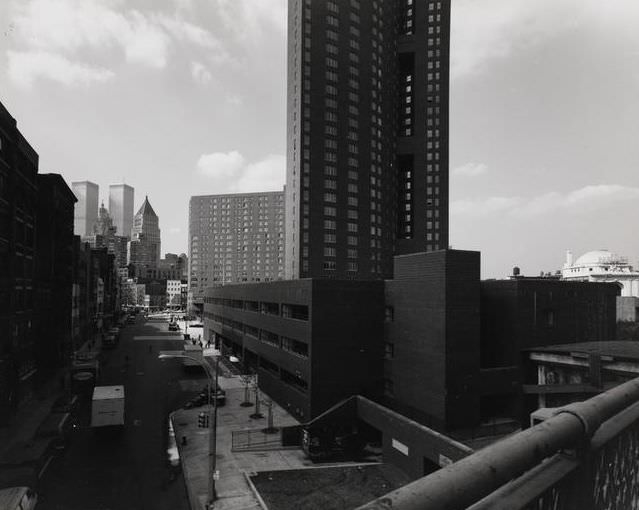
[(108, 406)]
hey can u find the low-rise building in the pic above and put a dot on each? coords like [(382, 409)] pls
[(310, 342), (438, 345), (605, 266), (557, 375)]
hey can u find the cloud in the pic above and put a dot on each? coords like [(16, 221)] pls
[(175, 230), (146, 43), (234, 100), (493, 29), (221, 164), (72, 29), (248, 20), (268, 174), (230, 173), (25, 67), (486, 206), (471, 169), (200, 73), (580, 201)]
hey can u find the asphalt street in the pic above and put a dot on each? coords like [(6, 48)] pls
[(129, 469)]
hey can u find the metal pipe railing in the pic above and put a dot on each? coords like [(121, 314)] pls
[(465, 482)]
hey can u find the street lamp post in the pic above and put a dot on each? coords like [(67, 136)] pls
[(212, 419)]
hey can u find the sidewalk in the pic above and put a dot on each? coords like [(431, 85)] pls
[(20, 451), (234, 491)]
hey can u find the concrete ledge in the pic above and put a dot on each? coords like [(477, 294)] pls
[(190, 492), (255, 492)]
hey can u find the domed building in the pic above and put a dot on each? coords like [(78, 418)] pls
[(606, 266)]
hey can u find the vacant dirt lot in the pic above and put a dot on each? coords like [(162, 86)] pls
[(326, 488)]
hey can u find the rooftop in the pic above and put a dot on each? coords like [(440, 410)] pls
[(617, 349)]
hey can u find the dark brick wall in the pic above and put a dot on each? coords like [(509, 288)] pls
[(343, 332), (347, 340), (435, 338), (531, 312), (54, 273), (462, 338)]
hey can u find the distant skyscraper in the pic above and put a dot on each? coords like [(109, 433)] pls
[(144, 247), (103, 235), (235, 238), (367, 156), (121, 198), (86, 208)]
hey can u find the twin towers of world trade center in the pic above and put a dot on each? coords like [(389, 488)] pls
[(367, 155)]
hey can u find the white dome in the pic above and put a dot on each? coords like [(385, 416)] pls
[(596, 257)]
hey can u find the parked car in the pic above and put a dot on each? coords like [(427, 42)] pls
[(130, 319), (202, 399), (173, 326)]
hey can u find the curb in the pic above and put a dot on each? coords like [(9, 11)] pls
[(178, 442), (254, 490)]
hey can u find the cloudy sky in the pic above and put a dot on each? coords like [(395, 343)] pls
[(185, 97)]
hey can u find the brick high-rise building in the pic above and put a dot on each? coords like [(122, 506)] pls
[(18, 212), (235, 238), (54, 274), (367, 162)]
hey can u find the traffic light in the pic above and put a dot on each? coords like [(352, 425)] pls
[(203, 421)]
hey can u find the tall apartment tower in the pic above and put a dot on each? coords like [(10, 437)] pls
[(121, 198), (235, 238), (86, 208), (367, 156)]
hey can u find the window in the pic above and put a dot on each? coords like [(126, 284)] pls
[(389, 350), (295, 346), (269, 338), (549, 318), (269, 366), (389, 387), (389, 314), (294, 380), (299, 312), (270, 308)]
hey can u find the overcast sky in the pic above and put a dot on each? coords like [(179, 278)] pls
[(186, 97)]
